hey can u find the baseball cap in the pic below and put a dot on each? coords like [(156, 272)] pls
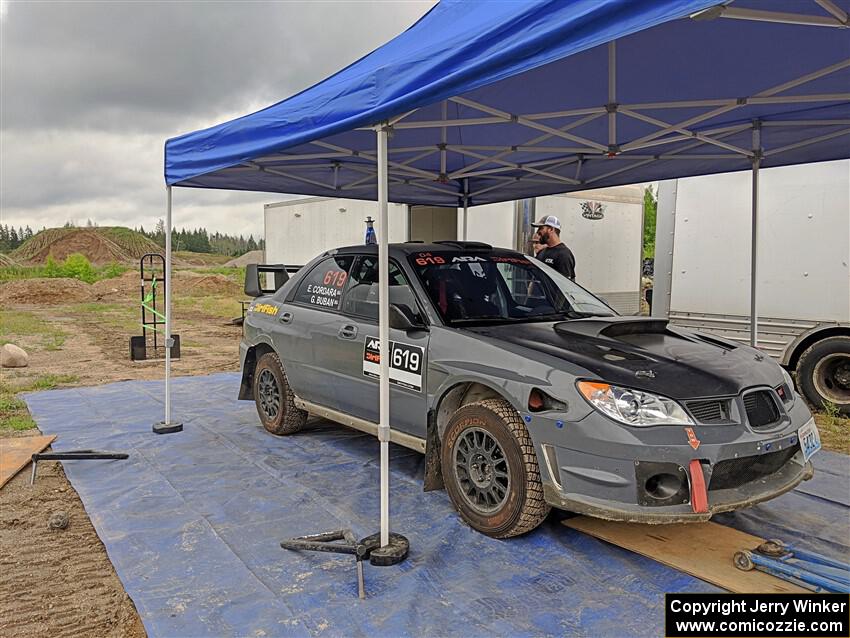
[(549, 220)]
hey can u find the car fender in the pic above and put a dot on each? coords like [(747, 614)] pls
[(248, 361)]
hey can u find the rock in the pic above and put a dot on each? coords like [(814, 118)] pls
[(58, 520), (11, 356)]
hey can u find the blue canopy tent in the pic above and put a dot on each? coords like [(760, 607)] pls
[(480, 102)]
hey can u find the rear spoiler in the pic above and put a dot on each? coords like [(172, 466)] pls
[(254, 279)]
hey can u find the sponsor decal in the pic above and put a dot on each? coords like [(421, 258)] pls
[(264, 308), (592, 210), (468, 258), (406, 362), (693, 441)]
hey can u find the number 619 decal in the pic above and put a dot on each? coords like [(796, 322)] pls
[(406, 362)]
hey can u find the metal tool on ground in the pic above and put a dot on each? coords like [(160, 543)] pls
[(368, 548), (809, 570), (151, 343), (74, 455)]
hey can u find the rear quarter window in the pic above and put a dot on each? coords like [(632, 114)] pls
[(324, 285)]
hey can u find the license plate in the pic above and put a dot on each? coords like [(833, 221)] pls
[(809, 439)]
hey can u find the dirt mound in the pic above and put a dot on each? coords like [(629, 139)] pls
[(192, 283), (44, 291), (183, 283), (5, 260), (252, 257), (127, 285), (99, 245)]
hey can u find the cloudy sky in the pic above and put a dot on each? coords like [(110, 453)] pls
[(90, 91)]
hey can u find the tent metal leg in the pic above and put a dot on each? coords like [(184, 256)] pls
[(166, 426), (465, 208), (754, 237), (384, 332), (393, 547)]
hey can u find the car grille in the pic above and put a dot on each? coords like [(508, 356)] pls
[(761, 409), (710, 411), (736, 472)]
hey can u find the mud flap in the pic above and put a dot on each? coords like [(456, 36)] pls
[(433, 471), (699, 493)]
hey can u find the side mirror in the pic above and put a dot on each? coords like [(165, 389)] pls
[(402, 318), (252, 281)]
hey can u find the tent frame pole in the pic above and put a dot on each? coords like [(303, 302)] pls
[(465, 208), (756, 159), (384, 330), (166, 426)]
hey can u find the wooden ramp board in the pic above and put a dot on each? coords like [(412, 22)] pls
[(16, 453), (703, 550)]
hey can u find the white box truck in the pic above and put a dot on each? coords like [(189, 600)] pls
[(602, 227), (702, 267)]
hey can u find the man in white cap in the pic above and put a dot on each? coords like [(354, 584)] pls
[(554, 253)]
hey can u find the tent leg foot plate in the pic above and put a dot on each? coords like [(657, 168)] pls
[(167, 428)]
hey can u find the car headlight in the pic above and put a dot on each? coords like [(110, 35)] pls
[(789, 383), (633, 407), (788, 380)]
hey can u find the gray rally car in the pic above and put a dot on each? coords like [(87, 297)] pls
[(524, 390)]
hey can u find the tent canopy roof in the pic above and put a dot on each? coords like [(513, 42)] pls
[(504, 100)]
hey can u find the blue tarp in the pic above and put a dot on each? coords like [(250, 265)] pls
[(192, 523), (539, 57)]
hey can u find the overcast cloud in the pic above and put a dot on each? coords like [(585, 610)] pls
[(90, 91)]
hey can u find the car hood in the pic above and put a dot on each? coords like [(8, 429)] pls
[(646, 354)]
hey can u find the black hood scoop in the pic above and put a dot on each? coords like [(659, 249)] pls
[(605, 327)]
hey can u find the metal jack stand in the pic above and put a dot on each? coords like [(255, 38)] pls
[(367, 548), (808, 570), (74, 455)]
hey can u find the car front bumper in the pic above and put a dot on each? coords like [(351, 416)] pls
[(598, 468)]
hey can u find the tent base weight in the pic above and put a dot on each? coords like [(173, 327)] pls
[(167, 428)]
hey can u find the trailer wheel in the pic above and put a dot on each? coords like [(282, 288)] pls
[(490, 469), (823, 373), (274, 398)]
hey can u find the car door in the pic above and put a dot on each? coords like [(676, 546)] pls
[(308, 333), (359, 341)]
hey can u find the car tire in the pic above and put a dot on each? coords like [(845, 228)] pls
[(490, 469), (274, 398), (823, 373)]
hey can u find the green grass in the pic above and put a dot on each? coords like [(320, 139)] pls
[(98, 308), (834, 430), (18, 422), (13, 411), (218, 306), (9, 403), (10, 273), (26, 324)]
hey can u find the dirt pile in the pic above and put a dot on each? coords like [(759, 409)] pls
[(44, 292), (192, 283), (127, 285), (99, 245), (252, 257)]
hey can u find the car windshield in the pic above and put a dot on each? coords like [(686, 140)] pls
[(491, 287)]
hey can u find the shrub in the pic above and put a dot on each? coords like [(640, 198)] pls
[(51, 268), (77, 266)]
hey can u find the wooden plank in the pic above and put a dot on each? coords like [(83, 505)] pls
[(703, 550), (16, 453)]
